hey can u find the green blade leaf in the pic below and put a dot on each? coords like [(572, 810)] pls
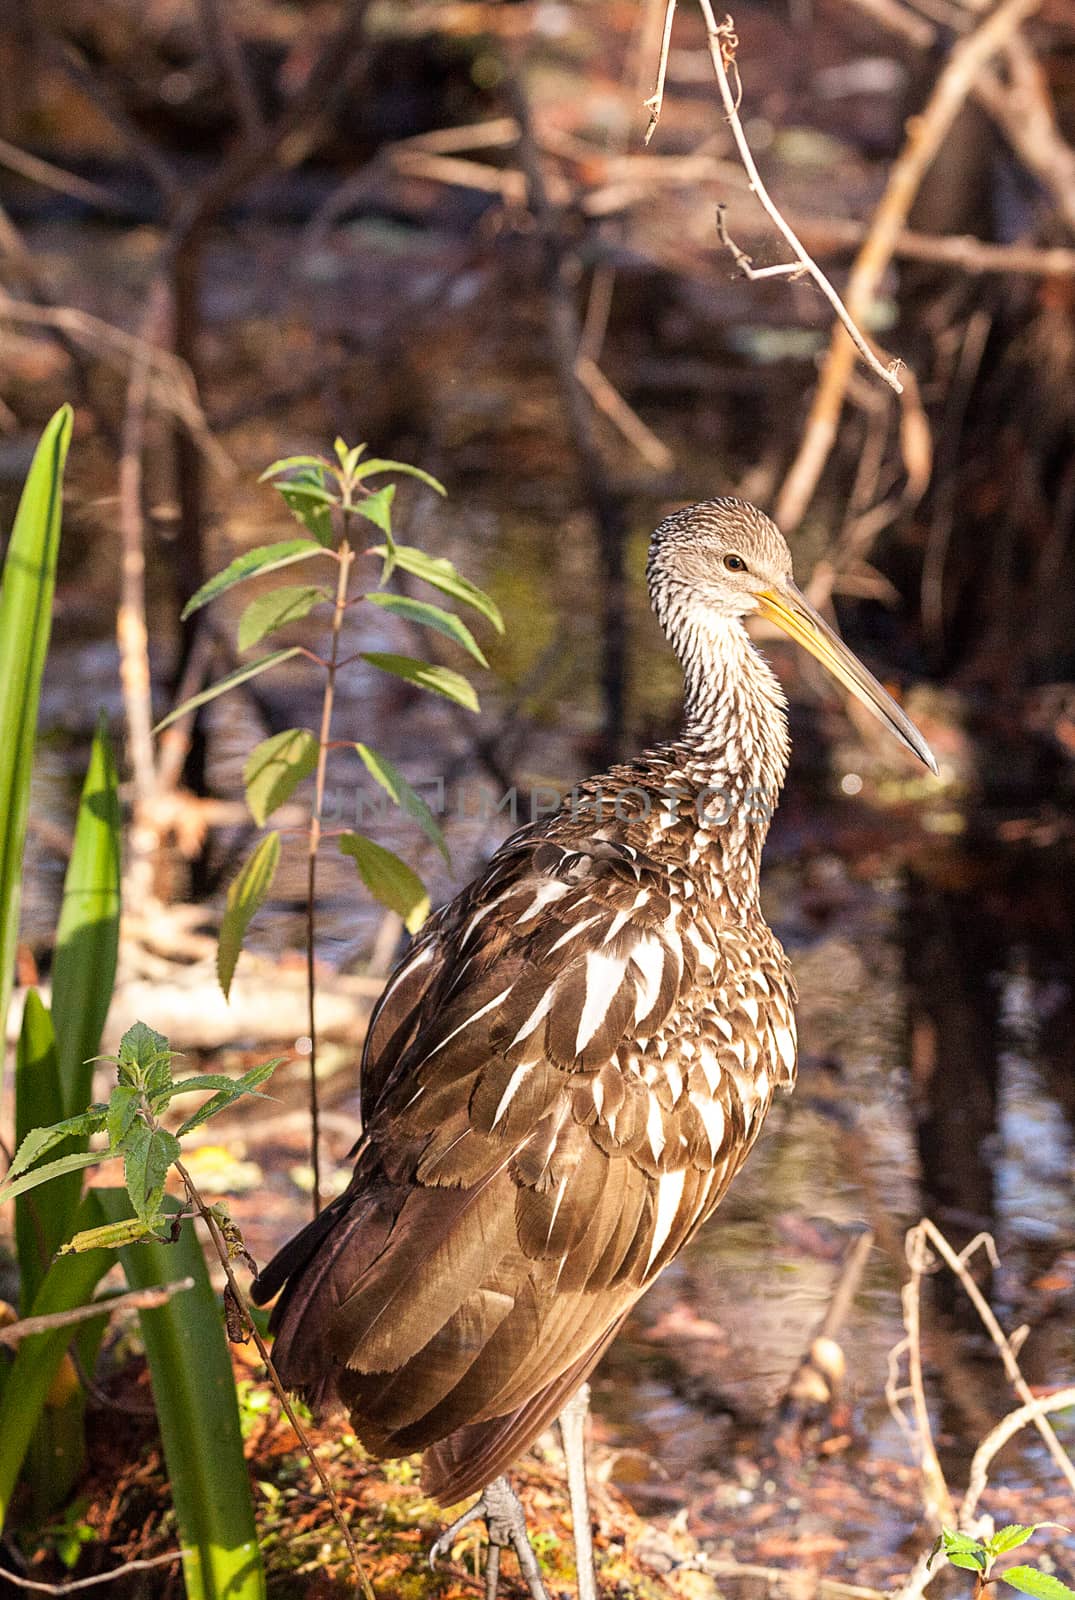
[(69, 1282), (267, 558), (439, 572), (374, 465), (87, 936), (377, 508), (194, 1393), (244, 897), (429, 616), (51, 1169), (275, 768), (232, 681), (39, 1224), (275, 610), (396, 786), (1028, 1580), (439, 680), (26, 589), (388, 879)]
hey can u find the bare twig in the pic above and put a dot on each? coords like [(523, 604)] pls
[(36, 170), (1023, 109), (898, 19), (608, 399), (958, 1264), (73, 1585), (135, 1300), (131, 632), (722, 44), (655, 103), (225, 1254), (938, 1498), (227, 52), (997, 1438), (925, 135)]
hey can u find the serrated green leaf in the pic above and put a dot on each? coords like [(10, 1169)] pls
[(396, 786), (962, 1544), (204, 1080), (39, 1140), (235, 1090), (377, 508), (374, 465), (429, 616), (439, 572), (51, 1169), (1017, 1533), (388, 879), (232, 681), (164, 1148), (275, 768), (439, 680), (289, 464), (266, 558), (140, 1048), (244, 897), (1028, 1580), (110, 1235), (135, 1159), (122, 1109), (275, 610)]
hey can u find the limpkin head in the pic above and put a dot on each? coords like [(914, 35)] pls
[(723, 560)]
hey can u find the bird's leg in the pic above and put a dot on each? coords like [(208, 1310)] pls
[(501, 1510), (573, 1434)]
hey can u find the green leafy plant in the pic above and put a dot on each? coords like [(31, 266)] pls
[(186, 1346), (130, 1120), (979, 1555), (331, 500)]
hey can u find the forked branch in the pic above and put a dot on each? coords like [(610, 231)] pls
[(722, 47)]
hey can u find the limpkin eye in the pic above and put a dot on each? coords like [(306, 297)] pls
[(735, 563)]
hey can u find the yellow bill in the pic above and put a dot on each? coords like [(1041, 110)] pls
[(792, 611)]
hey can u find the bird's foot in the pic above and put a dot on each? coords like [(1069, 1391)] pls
[(499, 1507)]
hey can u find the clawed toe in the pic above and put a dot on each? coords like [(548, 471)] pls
[(500, 1509)]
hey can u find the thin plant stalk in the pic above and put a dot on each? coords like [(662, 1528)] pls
[(345, 556), (224, 1254)]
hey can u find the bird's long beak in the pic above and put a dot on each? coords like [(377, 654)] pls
[(792, 612)]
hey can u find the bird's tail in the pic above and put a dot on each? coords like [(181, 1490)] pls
[(313, 1270)]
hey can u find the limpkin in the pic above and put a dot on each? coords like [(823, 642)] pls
[(570, 1064)]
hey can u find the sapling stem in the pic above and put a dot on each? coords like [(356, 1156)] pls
[(346, 557)]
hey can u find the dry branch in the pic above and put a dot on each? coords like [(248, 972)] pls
[(925, 135), (136, 1300), (1023, 110), (74, 1585), (997, 1438), (722, 45)]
